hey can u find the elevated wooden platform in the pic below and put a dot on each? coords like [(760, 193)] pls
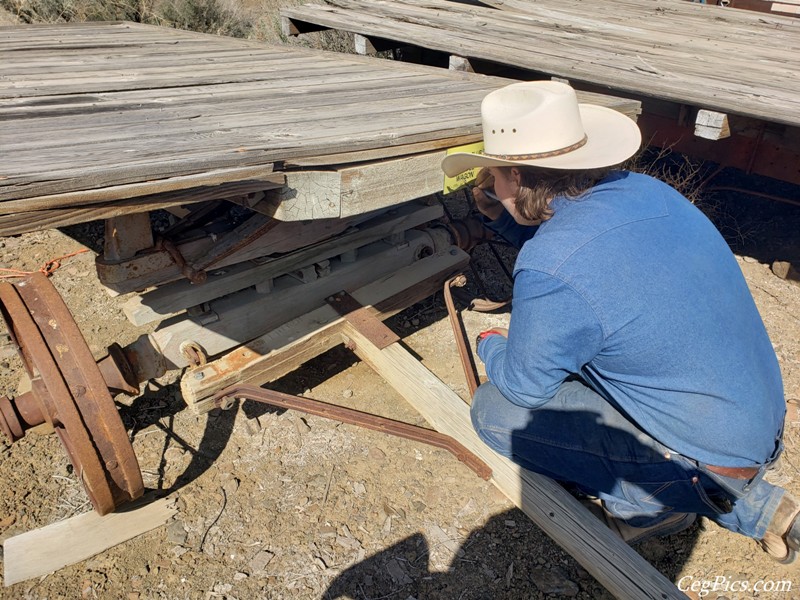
[(106, 119), (678, 56)]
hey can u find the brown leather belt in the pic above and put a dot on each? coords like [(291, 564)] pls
[(734, 472)]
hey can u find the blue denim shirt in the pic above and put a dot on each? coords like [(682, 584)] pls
[(633, 288)]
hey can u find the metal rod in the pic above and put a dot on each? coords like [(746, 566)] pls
[(467, 361), (225, 399)]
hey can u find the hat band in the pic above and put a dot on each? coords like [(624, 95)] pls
[(536, 155)]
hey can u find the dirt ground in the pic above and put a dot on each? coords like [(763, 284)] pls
[(281, 505)]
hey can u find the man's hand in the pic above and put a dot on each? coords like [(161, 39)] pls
[(493, 331), (489, 207)]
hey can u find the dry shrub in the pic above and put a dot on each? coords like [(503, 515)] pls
[(255, 19), (64, 11), (691, 177), (685, 174), (208, 16)]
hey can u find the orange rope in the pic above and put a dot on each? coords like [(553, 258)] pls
[(47, 268)]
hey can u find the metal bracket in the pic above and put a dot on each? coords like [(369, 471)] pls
[(363, 320)]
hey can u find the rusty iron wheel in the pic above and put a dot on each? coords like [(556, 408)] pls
[(70, 388)]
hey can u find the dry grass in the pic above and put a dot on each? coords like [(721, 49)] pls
[(253, 19), (685, 174), (691, 178)]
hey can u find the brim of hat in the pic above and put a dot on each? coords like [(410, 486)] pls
[(612, 138)]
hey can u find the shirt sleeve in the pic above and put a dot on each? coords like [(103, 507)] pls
[(553, 333), (507, 228)]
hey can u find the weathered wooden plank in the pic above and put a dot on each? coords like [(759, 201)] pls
[(205, 119), (357, 189), (242, 180), (247, 314), (42, 551), (584, 47), (238, 95), (80, 124), (632, 10), (239, 146), (650, 30), (287, 347), (612, 562), (21, 222), (166, 300)]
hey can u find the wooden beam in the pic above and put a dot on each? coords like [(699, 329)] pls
[(126, 235), (233, 181), (356, 189), (612, 562), (25, 220), (41, 551), (295, 342), (370, 46), (460, 63), (172, 298)]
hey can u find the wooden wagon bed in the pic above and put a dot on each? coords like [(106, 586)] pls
[(677, 57), (733, 61), (104, 119)]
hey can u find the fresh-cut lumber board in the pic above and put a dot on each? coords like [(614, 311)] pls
[(47, 549), (612, 562)]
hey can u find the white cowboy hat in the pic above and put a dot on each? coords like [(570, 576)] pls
[(541, 124)]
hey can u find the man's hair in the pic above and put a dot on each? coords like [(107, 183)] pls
[(538, 186)]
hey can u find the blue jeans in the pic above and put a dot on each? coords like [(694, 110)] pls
[(580, 438)]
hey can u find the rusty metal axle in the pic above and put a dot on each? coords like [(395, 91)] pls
[(225, 399)]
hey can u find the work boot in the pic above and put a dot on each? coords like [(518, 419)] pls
[(782, 539), (673, 523)]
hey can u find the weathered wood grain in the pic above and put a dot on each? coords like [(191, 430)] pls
[(95, 115), (693, 54)]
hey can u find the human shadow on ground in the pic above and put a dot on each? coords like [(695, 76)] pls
[(508, 556)]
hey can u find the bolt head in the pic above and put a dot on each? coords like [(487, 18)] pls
[(199, 375)]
